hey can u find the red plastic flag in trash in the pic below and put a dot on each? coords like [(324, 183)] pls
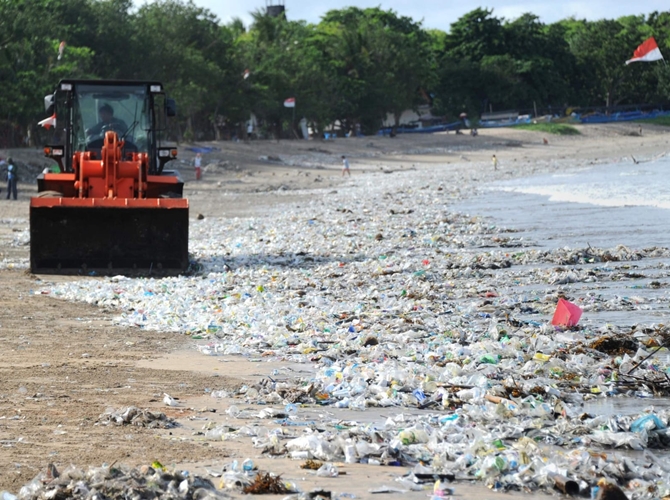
[(290, 102), (47, 123), (566, 314), (646, 52), (61, 49)]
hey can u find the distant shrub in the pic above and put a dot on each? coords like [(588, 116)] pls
[(664, 121)]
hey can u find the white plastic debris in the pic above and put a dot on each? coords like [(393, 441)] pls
[(392, 301)]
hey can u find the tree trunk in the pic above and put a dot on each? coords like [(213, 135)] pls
[(215, 123), (180, 137)]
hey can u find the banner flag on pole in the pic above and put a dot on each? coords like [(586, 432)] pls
[(290, 102), (47, 123), (648, 51)]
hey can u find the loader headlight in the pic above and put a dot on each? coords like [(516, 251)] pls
[(155, 88), (66, 86), (163, 153), (53, 152)]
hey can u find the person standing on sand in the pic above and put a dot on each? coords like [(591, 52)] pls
[(12, 179), (345, 166), (197, 163), (494, 161)]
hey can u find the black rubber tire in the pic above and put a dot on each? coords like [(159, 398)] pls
[(49, 194)]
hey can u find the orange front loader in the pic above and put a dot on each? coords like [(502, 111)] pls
[(110, 207)]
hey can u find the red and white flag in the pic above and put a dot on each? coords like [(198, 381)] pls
[(290, 102), (246, 74), (47, 123), (646, 52)]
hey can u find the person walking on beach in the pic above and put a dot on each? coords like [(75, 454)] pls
[(197, 163), (345, 166), (494, 161), (12, 179)]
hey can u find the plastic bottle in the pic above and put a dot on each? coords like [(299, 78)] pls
[(215, 434), (357, 403), (469, 394), (419, 395), (448, 418), (350, 454), (341, 393), (291, 408), (358, 386), (328, 470), (233, 411), (489, 358), (429, 386), (413, 435), (248, 465)]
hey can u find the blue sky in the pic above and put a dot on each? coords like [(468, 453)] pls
[(441, 13)]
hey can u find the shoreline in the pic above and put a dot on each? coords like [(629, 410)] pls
[(408, 194)]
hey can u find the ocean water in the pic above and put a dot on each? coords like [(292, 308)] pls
[(615, 185), (603, 206), (606, 205)]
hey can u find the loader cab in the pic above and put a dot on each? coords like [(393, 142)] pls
[(111, 208), (136, 111)]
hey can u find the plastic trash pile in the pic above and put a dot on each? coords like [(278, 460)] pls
[(529, 446), (139, 418), (18, 237), (118, 483), (396, 302)]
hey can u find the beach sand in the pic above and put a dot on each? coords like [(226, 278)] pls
[(64, 364)]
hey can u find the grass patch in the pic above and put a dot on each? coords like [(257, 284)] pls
[(550, 128), (664, 121)]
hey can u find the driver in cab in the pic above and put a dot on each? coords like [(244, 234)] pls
[(107, 122)]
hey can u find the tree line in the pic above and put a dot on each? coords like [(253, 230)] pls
[(355, 67)]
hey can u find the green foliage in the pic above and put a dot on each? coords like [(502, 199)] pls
[(663, 121), (550, 128), (379, 62), (476, 35), (356, 67)]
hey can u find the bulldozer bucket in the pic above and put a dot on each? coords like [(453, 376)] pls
[(109, 236)]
